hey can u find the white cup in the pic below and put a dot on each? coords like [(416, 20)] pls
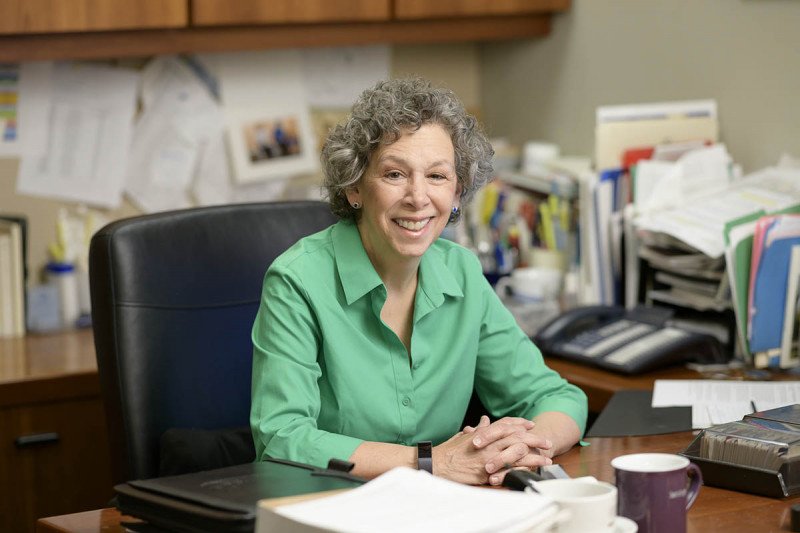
[(531, 284), (590, 505)]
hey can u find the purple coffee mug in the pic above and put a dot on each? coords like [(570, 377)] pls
[(656, 490)]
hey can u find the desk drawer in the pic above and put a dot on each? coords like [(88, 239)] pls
[(54, 459)]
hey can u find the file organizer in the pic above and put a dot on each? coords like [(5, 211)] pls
[(759, 454)]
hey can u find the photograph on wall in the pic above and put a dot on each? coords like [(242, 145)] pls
[(270, 139), (269, 145)]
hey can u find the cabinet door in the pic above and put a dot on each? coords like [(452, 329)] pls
[(223, 12), (420, 9), (68, 470), (49, 16)]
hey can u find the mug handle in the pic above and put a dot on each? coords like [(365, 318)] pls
[(694, 487), (502, 286)]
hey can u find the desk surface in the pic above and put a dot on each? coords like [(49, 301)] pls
[(714, 510), (45, 368)]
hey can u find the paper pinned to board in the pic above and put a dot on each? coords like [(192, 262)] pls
[(335, 77), (25, 96), (410, 500), (90, 125), (175, 139)]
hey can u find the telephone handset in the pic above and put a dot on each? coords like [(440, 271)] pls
[(629, 342)]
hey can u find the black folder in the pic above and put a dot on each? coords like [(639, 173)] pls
[(629, 413), (222, 500)]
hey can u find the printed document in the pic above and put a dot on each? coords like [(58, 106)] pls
[(411, 500), (720, 401)]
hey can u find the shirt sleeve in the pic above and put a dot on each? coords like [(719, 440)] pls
[(511, 376), (285, 394)]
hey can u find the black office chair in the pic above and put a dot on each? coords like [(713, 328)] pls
[(174, 296)]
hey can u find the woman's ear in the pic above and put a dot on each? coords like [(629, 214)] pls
[(353, 196), (457, 197)]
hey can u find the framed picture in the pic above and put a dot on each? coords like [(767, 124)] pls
[(271, 144)]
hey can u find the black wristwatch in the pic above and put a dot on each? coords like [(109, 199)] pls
[(425, 456)]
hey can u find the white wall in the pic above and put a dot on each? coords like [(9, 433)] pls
[(743, 53)]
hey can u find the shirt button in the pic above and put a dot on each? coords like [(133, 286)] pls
[(406, 401), (416, 366)]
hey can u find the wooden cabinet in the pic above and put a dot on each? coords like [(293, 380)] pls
[(150, 27), (423, 9), (54, 452), (48, 16), (222, 12)]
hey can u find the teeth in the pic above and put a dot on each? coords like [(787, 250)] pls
[(413, 226)]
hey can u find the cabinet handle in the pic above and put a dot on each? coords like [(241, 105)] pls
[(36, 438)]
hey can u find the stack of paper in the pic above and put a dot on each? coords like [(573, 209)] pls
[(410, 500)]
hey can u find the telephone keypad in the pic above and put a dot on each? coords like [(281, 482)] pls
[(597, 342), (645, 345)]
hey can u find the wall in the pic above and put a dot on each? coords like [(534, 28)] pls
[(743, 53), (454, 66)]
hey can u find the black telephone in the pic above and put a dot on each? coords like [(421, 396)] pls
[(629, 342)]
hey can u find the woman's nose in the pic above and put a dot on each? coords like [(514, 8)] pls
[(417, 192)]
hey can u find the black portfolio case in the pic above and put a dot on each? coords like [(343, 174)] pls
[(222, 500)]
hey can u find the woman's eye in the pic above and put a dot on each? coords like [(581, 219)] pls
[(438, 177), (393, 174)]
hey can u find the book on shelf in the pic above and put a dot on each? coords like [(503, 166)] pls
[(12, 279)]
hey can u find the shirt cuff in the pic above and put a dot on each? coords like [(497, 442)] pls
[(574, 409)]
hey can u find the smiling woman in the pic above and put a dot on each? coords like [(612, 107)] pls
[(373, 334), (407, 195)]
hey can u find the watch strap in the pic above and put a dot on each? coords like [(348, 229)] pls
[(425, 456)]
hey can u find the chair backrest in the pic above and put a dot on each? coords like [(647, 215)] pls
[(174, 296)]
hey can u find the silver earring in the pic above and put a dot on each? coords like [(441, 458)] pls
[(455, 209), (356, 205)]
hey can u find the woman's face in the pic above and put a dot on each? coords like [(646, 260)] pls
[(407, 194)]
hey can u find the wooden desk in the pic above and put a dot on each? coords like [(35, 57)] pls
[(49, 388), (714, 510)]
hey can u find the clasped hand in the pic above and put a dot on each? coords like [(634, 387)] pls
[(485, 453)]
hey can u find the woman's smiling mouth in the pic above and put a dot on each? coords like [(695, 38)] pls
[(411, 224)]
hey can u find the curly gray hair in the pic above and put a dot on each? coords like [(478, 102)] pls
[(379, 116)]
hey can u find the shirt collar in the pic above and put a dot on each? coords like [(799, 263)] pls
[(356, 272), (358, 276), (435, 278)]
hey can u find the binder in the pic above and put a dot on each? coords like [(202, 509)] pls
[(224, 500), (771, 279)]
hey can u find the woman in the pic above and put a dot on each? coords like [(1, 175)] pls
[(373, 333)]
